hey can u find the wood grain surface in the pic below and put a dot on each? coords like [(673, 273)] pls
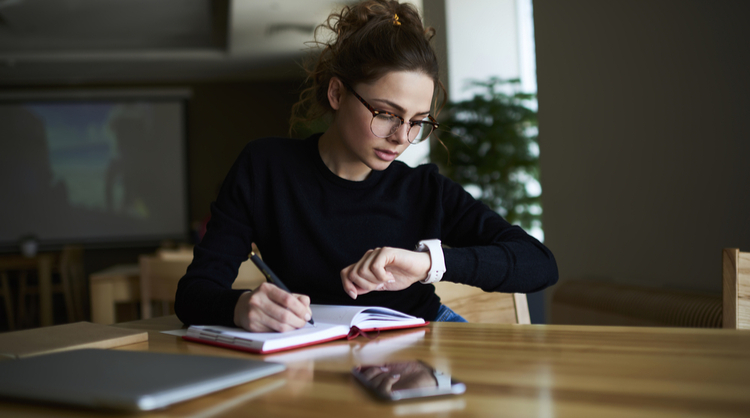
[(509, 370)]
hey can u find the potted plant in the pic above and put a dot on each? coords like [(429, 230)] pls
[(490, 148)]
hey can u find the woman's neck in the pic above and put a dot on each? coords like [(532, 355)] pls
[(339, 159)]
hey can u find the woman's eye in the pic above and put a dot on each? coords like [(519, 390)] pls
[(385, 116)]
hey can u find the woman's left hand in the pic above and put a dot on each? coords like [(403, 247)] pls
[(385, 269)]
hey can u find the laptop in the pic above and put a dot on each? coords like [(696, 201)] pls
[(125, 380)]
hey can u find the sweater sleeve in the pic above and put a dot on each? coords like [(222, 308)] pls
[(486, 251), (205, 295)]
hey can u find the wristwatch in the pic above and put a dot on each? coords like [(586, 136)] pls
[(438, 259), (443, 380)]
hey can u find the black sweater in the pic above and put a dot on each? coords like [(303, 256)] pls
[(309, 224)]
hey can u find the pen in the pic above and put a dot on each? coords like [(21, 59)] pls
[(270, 275)]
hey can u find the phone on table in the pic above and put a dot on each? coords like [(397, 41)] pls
[(406, 380)]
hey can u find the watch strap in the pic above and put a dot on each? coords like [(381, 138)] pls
[(437, 268)]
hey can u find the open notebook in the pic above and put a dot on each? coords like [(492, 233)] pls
[(332, 322)]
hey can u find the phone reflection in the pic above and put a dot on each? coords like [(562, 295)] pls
[(407, 379)]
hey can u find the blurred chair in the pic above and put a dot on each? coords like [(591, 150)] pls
[(476, 305), (73, 281), (736, 288), (161, 272), (115, 292), (158, 281), (68, 269), (7, 299)]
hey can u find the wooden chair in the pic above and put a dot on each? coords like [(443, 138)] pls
[(158, 282), (115, 293), (736, 285), (161, 272), (8, 300), (73, 281), (69, 268), (476, 305)]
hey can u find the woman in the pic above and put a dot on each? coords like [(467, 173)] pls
[(336, 217)]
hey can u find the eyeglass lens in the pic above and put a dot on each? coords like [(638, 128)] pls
[(384, 126)]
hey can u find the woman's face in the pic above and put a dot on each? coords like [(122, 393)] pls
[(406, 94)]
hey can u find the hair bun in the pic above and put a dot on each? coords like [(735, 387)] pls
[(369, 39)]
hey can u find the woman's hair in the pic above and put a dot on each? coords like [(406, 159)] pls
[(369, 39)]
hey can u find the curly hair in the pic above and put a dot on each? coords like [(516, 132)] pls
[(368, 40)]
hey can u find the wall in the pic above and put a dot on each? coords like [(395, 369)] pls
[(643, 123), (222, 119), (482, 42)]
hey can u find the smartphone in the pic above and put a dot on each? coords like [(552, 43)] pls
[(406, 380)]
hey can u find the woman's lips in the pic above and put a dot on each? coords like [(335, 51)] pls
[(386, 155)]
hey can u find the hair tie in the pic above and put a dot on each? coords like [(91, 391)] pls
[(395, 20)]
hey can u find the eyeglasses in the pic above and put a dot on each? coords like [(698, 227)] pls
[(385, 124)]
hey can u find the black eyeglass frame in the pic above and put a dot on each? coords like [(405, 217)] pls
[(376, 112)]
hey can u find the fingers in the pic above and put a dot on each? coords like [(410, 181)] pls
[(283, 308), (384, 380), (349, 287), (269, 308), (355, 280), (304, 302), (386, 385), (370, 273)]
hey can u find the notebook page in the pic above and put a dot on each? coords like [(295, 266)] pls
[(335, 314), (379, 317), (362, 316)]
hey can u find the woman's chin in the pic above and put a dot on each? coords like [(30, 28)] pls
[(379, 165)]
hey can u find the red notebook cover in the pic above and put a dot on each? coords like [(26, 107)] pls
[(353, 333)]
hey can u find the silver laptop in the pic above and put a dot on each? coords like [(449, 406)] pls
[(128, 380)]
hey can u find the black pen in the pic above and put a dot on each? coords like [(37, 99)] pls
[(270, 275)]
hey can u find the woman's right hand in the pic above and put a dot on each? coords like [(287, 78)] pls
[(269, 309)]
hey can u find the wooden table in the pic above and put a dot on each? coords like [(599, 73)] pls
[(42, 263), (509, 370)]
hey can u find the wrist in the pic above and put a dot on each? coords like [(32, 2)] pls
[(424, 266), (241, 308)]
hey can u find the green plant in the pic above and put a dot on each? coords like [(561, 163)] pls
[(492, 148)]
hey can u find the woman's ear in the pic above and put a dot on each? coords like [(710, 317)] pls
[(335, 92)]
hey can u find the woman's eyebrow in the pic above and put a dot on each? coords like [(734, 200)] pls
[(397, 107)]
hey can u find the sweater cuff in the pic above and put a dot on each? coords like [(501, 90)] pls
[(228, 301), (459, 267)]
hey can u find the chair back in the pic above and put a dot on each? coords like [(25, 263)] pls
[(73, 280), (476, 305), (161, 272), (736, 288), (7, 299)]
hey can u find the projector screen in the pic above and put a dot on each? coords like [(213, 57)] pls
[(92, 171)]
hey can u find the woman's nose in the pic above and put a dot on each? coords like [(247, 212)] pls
[(402, 134)]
